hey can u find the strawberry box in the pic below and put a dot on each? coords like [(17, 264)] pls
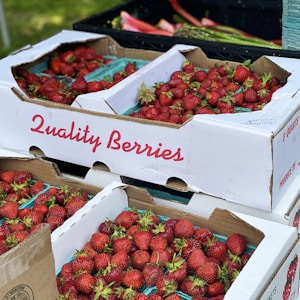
[(259, 149), (264, 235), (28, 270), (71, 64)]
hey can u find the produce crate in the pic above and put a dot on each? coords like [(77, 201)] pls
[(262, 19)]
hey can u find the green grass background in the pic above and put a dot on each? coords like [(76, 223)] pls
[(31, 21)]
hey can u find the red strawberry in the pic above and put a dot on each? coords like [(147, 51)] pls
[(177, 268), (120, 259), (5, 188), (130, 68), (208, 272), (79, 86), (113, 274), (82, 262), (213, 98), (122, 244), (7, 176), (37, 187), (73, 205), (203, 234), (160, 257), (16, 225), (165, 231), (101, 260), (191, 101), (124, 219), (215, 289), (241, 73), (54, 222), (66, 272), (236, 244), (58, 210), (158, 242), (217, 249), (151, 273), (173, 296), (250, 95), (133, 278), (142, 239), (16, 238), (196, 259), (232, 87), (85, 283), (99, 241), (9, 210), (166, 285), (94, 86), (54, 65), (140, 258), (204, 110), (34, 217), (22, 177), (3, 247), (184, 228), (165, 98)]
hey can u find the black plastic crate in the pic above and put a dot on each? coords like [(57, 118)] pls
[(259, 18)]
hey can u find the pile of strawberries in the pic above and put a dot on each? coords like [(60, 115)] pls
[(51, 205), (64, 79), (141, 255), (218, 90)]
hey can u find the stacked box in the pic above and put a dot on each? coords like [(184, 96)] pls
[(164, 154), (261, 233)]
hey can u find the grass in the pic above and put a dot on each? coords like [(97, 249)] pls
[(31, 21)]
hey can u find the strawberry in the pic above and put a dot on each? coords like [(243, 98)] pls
[(238, 99), (16, 238), (5, 188), (208, 272), (177, 268), (190, 101), (166, 285), (120, 259), (189, 245), (236, 244), (54, 65), (36, 187), (165, 98), (58, 210), (232, 87), (34, 217), (152, 113), (4, 231), (151, 273), (212, 98), (124, 219), (173, 296), (184, 228), (94, 86), (85, 283), (7, 176), (165, 231), (82, 262), (67, 56), (101, 260), (242, 72), (161, 87), (106, 227), (99, 241), (66, 272), (250, 95), (140, 258), (9, 210), (113, 274), (133, 278), (217, 249), (22, 177), (79, 86), (122, 244), (16, 225), (200, 75), (196, 259), (130, 68), (193, 286), (142, 239), (54, 222), (215, 289), (203, 234), (3, 247), (73, 204), (204, 110), (158, 242), (160, 257)]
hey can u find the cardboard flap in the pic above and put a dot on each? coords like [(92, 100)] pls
[(29, 268)]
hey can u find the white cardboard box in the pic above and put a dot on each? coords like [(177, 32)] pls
[(246, 158), (276, 242)]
